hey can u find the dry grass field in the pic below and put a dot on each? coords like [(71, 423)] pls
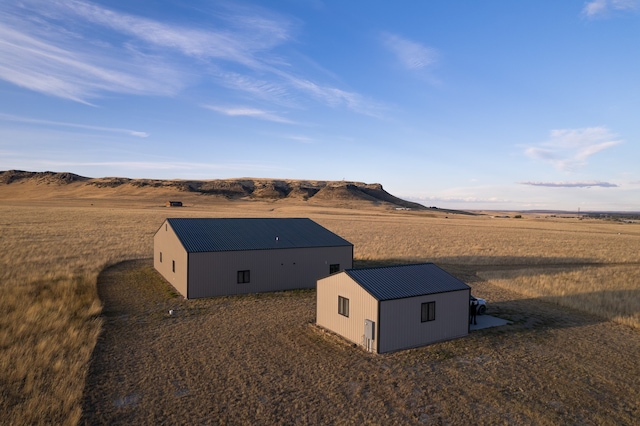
[(612, 292), (554, 365), (260, 360)]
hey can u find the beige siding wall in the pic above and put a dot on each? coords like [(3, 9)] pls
[(361, 306), (401, 325), (215, 273), (166, 242)]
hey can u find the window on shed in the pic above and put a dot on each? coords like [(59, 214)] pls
[(343, 306), (243, 277), (160, 257), (333, 268), (428, 311), (173, 265)]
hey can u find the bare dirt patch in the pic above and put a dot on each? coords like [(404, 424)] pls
[(259, 359)]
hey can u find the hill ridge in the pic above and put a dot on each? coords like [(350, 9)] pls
[(232, 188)]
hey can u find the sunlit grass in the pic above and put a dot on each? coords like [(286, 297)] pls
[(51, 256), (612, 292)]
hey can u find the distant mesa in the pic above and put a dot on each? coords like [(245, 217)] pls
[(12, 176), (315, 192)]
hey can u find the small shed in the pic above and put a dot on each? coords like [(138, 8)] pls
[(391, 308), (174, 204), (204, 257)]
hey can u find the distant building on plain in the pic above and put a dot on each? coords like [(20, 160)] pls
[(204, 257), (173, 204), (391, 308)]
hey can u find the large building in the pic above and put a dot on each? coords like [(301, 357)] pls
[(391, 308), (214, 257)]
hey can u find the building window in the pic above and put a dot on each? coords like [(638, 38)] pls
[(173, 265), (428, 311), (243, 277), (160, 257), (334, 268), (343, 306)]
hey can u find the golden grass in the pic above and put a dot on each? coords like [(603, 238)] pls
[(47, 332), (485, 241), (49, 261), (611, 292), (259, 359), (51, 256)]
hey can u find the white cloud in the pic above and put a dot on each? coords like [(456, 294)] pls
[(248, 112), (63, 69), (18, 119), (78, 50), (251, 33), (412, 55), (272, 91), (568, 149), (156, 165), (337, 97), (578, 184), (428, 201), (302, 139), (602, 8)]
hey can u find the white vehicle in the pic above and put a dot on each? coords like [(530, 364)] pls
[(482, 304)]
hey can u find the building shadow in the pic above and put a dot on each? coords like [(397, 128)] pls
[(540, 314), (537, 313)]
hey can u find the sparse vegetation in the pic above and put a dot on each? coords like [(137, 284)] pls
[(50, 260), (483, 241), (260, 360), (54, 250), (611, 292)]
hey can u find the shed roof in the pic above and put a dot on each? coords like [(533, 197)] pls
[(232, 234), (402, 281)]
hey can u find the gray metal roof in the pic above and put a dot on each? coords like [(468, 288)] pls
[(231, 234), (402, 281)]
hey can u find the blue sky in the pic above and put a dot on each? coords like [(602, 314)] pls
[(455, 104)]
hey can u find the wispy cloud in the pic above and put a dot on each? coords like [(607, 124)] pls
[(159, 165), (275, 92), (40, 52), (603, 8), (568, 149), (579, 184), (80, 51), (428, 201), (335, 97), (28, 120), (298, 138), (410, 54), (248, 112), (249, 34)]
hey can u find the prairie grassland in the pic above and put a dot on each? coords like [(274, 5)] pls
[(52, 254), (611, 292), (485, 241), (49, 262)]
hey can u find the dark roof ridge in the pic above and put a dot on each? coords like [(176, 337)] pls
[(410, 280), (240, 233)]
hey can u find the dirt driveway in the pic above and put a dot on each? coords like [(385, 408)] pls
[(259, 359)]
